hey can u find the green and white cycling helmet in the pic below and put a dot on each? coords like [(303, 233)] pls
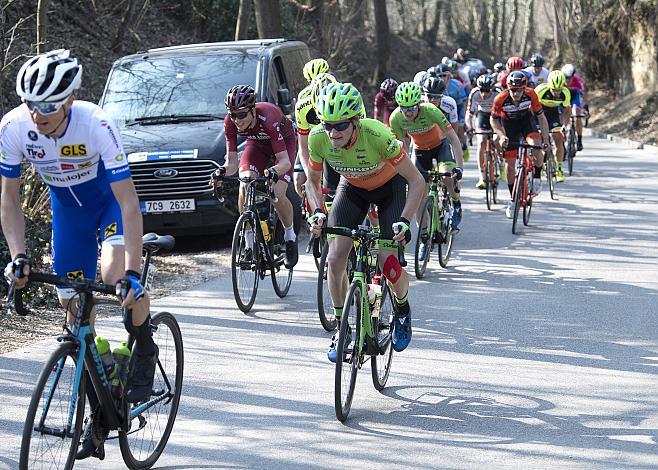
[(338, 102), (319, 82), (556, 79), (408, 94), (315, 67)]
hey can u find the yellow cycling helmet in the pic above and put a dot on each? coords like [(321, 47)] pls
[(314, 67), (408, 94), (319, 82), (556, 79), (338, 102)]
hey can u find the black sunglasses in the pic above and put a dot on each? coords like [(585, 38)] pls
[(240, 115), (339, 126), (432, 96)]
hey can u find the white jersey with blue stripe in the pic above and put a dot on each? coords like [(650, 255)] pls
[(78, 166)]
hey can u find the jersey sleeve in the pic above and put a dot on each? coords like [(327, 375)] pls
[(534, 101), (10, 154), (316, 148), (567, 97), (302, 109), (231, 134), (497, 107), (394, 122), (110, 149), (449, 106)]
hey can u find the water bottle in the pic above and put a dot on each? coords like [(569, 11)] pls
[(374, 298), (103, 348), (121, 355), (266, 230)]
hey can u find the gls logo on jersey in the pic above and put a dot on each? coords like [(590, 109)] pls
[(110, 230), (74, 150), (75, 275)]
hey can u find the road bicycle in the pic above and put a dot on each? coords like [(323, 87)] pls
[(550, 170), (54, 421), (435, 223), (267, 252), (365, 330), (572, 142), (522, 194), (491, 169)]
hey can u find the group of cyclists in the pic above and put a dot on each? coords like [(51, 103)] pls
[(363, 162)]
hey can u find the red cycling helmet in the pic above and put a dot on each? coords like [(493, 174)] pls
[(517, 79), (514, 63), (240, 96)]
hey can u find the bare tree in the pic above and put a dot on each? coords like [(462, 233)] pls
[(242, 24), (512, 26), (382, 35), (525, 47), (42, 23), (268, 18)]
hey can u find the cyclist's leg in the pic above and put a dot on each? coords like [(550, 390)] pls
[(483, 125), (576, 110), (252, 164), (423, 162)]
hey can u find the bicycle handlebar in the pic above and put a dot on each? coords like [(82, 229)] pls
[(365, 235), (215, 178), (77, 284)]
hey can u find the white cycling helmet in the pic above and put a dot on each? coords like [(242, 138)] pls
[(420, 77), (49, 77), (568, 70)]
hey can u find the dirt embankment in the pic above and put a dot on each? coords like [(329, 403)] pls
[(633, 116)]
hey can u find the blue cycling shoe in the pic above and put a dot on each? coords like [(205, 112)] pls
[(422, 251), (456, 214), (332, 355), (401, 331)]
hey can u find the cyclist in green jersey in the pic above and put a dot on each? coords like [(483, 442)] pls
[(374, 170), (433, 137), (555, 99)]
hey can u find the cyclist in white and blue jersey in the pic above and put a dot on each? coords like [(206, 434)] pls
[(75, 148)]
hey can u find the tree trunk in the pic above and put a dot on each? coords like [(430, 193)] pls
[(525, 47), (512, 29), (382, 35), (557, 37), (242, 23), (268, 19), (503, 26), (126, 21), (42, 23), (481, 11), (433, 29), (493, 24)]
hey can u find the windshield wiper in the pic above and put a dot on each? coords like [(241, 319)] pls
[(173, 118)]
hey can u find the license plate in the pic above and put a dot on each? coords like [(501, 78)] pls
[(170, 205)]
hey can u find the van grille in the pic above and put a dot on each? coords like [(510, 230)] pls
[(191, 180)]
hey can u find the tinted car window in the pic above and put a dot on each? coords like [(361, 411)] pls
[(191, 84)]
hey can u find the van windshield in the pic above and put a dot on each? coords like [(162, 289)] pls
[(175, 86)]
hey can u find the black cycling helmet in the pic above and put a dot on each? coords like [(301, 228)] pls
[(240, 96), (442, 68), (498, 67), (485, 82), (537, 60), (432, 72), (517, 79), (434, 86)]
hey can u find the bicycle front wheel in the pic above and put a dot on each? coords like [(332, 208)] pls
[(519, 184), (551, 175), (325, 307), (281, 276), (348, 359), (571, 149), (527, 207), (244, 268), (424, 238), (489, 182), (447, 235), (380, 364), (48, 439), (149, 431)]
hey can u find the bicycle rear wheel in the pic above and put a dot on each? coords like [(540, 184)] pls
[(244, 271), (424, 237), (281, 276), (47, 443), (149, 431), (325, 307), (447, 235), (348, 359), (380, 364), (489, 179), (496, 178), (571, 149), (551, 175), (519, 187)]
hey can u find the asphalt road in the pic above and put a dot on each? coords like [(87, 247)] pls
[(531, 351)]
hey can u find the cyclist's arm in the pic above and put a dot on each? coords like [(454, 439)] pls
[(231, 134), (302, 141), (231, 163), (314, 188), (131, 215), (11, 214), (379, 107), (282, 162), (456, 145), (415, 184), (497, 126)]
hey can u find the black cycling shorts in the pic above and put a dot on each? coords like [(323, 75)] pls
[(442, 154), (330, 178), (518, 130), (483, 123), (553, 118), (351, 205)]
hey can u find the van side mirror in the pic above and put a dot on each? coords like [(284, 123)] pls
[(284, 101)]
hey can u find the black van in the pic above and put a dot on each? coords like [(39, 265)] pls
[(169, 106)]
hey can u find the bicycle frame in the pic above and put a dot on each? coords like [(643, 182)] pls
[(524, 163)]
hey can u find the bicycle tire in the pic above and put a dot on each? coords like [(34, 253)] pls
[(325, 307), (136, 452), (551, 175), (496, 178), (380, 364), (424, 234), (571, 149), (58, 412), (527, 207), (347, 362), (518, 188), (281, 276), (488, 180), (447, 236), (250, 287), (318, 245)]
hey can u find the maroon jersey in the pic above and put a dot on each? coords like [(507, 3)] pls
[(271, 127), (383, 108)]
